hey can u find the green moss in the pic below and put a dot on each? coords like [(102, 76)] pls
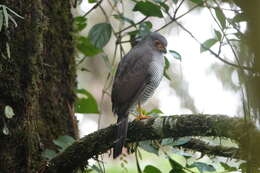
[(39, 82)]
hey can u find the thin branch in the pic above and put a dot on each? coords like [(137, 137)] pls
[(212, 52), (130, 26), (80, 61), (175, 13), (204, 148), (226, 9), (224, 34), (102, 140), (177, 18), (94, 7)]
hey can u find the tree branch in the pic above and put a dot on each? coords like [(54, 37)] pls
[(213, 53), (218, 150), (99, 142), (94, 7)]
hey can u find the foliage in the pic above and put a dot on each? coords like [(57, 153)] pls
[(100, 34), (148, 9), (226, 34), (87, 103), (62, 142)]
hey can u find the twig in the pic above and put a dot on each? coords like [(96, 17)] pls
[(94, 7), (177, 18), (80, 61), (130, 26), (175, 13), (204, 148), (113, 7), (226, 9), (212, 52), (224, 35)]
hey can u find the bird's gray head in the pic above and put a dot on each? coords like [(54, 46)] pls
[(156, 41)]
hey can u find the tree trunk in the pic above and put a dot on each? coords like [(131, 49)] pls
[(37, 81)]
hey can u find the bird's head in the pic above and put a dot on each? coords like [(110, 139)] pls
[(157, 42)]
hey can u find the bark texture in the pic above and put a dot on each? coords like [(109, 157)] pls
[(77, 155), (37, 81)]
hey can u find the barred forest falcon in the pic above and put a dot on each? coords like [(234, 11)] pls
[(138, 74)]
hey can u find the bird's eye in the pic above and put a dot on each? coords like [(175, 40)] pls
[(157, 42)]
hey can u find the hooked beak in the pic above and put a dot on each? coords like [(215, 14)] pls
[(162, 48)]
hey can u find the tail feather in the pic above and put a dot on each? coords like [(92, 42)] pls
[(121, 133)]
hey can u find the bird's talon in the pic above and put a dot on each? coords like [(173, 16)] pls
[(142, 117)]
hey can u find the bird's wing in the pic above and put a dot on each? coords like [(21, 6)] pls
[(131, 77)]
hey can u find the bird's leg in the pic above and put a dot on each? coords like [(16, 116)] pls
[(141, 116)]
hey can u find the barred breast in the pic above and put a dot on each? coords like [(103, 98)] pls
[(156, 71)]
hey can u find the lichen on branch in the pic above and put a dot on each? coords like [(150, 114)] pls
[(99, 142)]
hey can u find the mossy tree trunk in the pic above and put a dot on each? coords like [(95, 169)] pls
[(37, 81)]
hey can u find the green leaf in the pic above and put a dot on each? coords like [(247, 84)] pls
[(240, 17), (49, 154), (218, 35), (182, 153), (154, 111), (1, 19), (87, 104), (197, 1), (203, 167), (79, 23), (151, 169), (175, 1), (63, 141), (149, 147), (166, 67), (92, 1), (207, 44), (177, 171), (100, 34), (221, 17), (85, 46), (244, 166), (167, 141), (164, 6), (97, 169), (121, 17), (9, 112), (175, 54), (181, 141), (176, 167), (148, 9), (227, 167)]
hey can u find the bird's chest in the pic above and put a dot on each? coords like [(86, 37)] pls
[(156, 73), (156, 69)]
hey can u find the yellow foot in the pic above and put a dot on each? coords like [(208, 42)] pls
[(142, 117)]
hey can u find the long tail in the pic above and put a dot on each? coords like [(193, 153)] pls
[(122, 125)]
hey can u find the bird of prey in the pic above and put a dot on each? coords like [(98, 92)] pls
[(138, 74)]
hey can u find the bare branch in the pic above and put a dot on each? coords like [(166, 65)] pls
[(94, 7), (177, 18), (213, 53), (130, 26)]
